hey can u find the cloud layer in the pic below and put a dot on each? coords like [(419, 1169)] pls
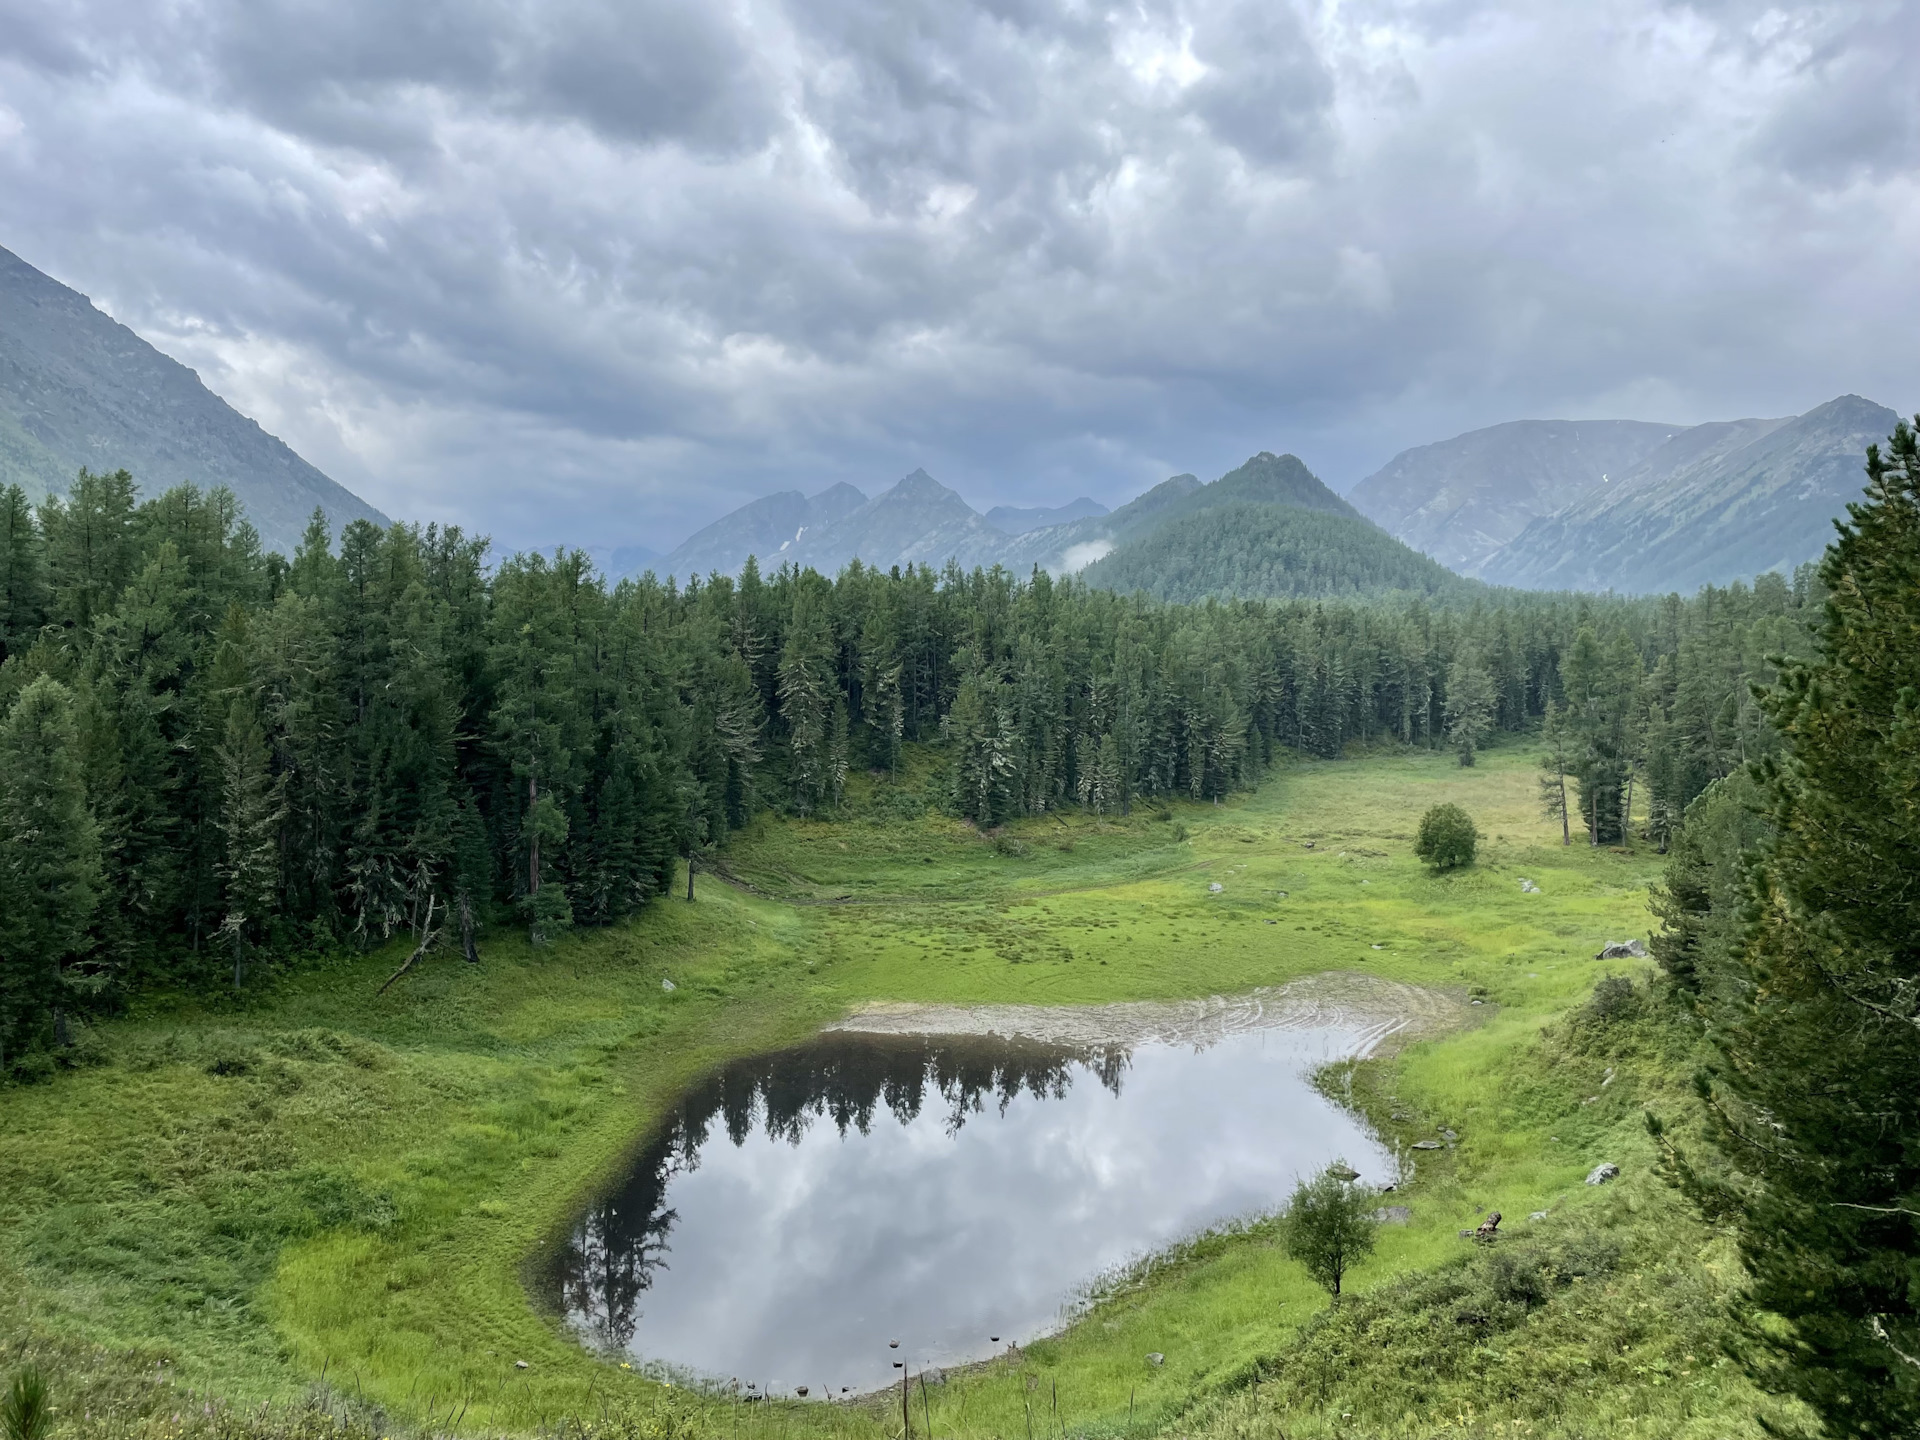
[(600, 271)]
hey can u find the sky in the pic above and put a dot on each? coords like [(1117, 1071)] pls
[(595, 273)]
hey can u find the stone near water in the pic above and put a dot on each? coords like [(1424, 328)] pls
[(1603, 1172), (1426, 1144), (1342, 1172)]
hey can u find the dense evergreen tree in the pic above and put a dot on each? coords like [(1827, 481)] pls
[(1795, 932)]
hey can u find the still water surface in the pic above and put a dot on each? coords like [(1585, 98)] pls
[(801, 1209)]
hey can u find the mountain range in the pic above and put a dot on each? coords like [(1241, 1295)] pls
[(1716, 503), (79, 389), (1626, 505), (1267, 528)]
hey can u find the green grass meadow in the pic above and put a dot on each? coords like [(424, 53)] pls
[(237, 1199)]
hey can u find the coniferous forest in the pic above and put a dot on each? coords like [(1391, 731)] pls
[(216, 757), (218, 764)]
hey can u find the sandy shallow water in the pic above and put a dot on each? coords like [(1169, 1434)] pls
[(1379, 1015)]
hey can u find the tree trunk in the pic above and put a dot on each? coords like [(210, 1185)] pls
[(689, 876), (467, 947)]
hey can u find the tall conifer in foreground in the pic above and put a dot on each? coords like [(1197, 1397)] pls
[(1818, 1091)]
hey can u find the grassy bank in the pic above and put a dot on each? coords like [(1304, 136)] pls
[(327, 1179)]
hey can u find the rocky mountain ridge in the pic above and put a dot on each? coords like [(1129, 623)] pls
[(79, 389)]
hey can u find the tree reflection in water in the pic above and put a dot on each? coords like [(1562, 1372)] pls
[(611, 1257)]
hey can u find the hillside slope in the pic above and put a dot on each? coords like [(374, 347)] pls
[(1726, 504), (79, 389), (1459, 500), (1246, 550)]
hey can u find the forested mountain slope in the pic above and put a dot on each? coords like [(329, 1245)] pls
[(78, 389), (1253, 551), (1459, 500), (1728, 501)]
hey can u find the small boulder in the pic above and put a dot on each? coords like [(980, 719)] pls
[(1215, 888), (1527, 887), (1393, 1215), (1489, 1228), (668, 986), (801, 1391), (1426, 1144), (1603, 1172), (1342, 1172), (1622, 950), (519, 1364), (1537, 1215), (1154, 1357)]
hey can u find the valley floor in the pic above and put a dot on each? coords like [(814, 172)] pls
[(324, 1180)]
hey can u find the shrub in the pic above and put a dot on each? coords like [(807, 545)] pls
[(1447, 838)]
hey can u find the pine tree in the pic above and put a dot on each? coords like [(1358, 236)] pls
[(49, 862)]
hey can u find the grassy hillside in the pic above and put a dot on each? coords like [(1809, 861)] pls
[(1266, 551), (330, 1180)]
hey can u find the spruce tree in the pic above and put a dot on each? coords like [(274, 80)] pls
[(49, 862), (23, 590), (250, 813), (1469, 707), (1817, 1092)]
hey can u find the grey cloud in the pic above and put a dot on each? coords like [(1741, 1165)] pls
[(550, 268)]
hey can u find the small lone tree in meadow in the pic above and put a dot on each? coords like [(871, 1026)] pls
[(1330, 1225), (1447, 838)]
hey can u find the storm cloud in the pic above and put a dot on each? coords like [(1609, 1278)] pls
[(571, 272)]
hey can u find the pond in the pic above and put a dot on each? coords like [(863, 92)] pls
[(895, 1180)]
